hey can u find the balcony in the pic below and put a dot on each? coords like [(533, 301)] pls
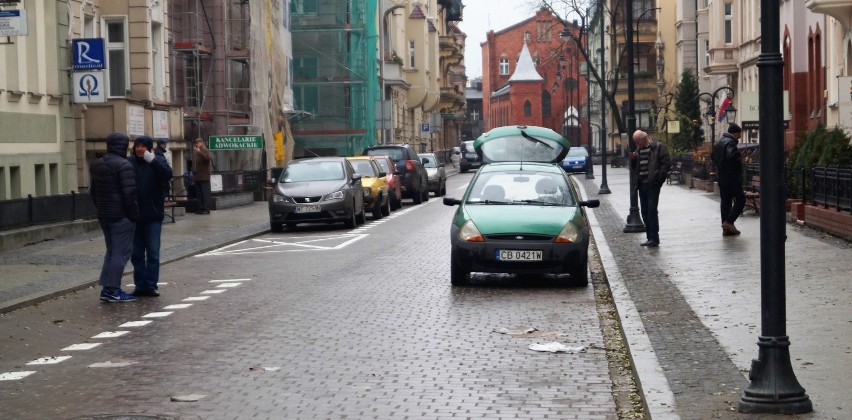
[(838, 9), (392, 73)]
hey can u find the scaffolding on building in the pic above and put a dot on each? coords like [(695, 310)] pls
[(212, 44), (334, 54)]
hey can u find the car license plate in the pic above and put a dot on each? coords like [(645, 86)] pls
[(518, 255), (307, 209), (578, 166)]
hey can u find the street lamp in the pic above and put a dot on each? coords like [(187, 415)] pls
[(773, 387), (604, 188), (710, 114), (634, 221)]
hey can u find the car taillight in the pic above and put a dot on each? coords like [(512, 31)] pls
[(409, 166)]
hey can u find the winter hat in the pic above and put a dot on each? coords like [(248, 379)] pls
[(734, 129), (147, 141), (162, 141)]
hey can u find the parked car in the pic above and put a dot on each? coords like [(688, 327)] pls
[(575, 161), (316, 190), (414, 181), (393, 179), (376, 191), (468, 159), (435, 171), (520, 213)]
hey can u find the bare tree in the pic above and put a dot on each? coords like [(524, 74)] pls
[(587, 12)]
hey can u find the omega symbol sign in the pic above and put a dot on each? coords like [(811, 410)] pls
[(88, 87)]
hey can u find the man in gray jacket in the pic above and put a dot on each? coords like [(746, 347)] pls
[(113, 189), (651, 163)]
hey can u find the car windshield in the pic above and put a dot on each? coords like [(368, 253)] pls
[(363, 167), (394, 153), (431, 161), (519, 148), (577, 152), (312, 171), (524, 188)]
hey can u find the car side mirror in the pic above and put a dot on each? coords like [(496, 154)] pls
[(424, 160), (270, 182), (382, 174), (449, 201), (590, 203), (356, 178)]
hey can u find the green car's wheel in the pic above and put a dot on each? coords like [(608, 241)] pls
[(459, 276)]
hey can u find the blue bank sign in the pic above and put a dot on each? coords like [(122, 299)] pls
[(88, 53)]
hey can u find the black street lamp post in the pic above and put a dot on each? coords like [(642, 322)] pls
[(590, 168), (710, 115), (604, 188), (773, 387), (634, 220)]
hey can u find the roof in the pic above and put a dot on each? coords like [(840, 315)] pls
[(525, 70)]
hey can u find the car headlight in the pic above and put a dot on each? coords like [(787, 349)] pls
[(469, 233), (568, 234), (337, 195), (367, 191), (278, 198)]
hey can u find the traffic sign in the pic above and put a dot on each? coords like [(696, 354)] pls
[(88, 53), (424, 127)]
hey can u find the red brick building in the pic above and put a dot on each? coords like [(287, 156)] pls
[(531, 76)]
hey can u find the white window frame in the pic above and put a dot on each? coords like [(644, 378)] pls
[(728, 31), (706, 53), (412, 54), (504, 66), (116, 46), (158, 66), (88, 30)]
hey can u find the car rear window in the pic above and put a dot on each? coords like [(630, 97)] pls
[(363, 167), (394, 153), (312, 171)]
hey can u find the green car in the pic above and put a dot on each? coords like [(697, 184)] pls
[(520, 212)]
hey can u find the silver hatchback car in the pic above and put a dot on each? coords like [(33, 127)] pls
[(436, 173)]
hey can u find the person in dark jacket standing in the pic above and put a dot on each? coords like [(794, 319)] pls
[(651, 164), (729, 169), (152, 176), (113, 189), (201, 163)]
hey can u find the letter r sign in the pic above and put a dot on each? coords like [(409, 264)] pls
[(88, 53)]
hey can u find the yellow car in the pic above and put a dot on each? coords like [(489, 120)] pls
[(376, 196)]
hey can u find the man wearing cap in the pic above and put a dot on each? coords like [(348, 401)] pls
[(729, 168), (161, 147)]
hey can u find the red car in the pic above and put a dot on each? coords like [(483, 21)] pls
[(394, 182)]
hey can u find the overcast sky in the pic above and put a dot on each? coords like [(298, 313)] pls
[(479, 17)]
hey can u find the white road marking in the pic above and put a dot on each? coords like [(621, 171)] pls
[(157, 314), (14, 376), (49, 360), (134, 324), (228, 285), (196, 298), (228, 280), (109, 364), (178, 306), (111, 334), (213, 292), (81, 346)]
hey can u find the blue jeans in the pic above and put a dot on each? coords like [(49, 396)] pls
[(649, 197), (146, 255), (118, 236)]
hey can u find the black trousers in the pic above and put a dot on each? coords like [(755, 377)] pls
[(732, 199), (202, 194)]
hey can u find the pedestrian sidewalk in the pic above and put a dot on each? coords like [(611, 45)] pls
[(691, 309), (71, 259)]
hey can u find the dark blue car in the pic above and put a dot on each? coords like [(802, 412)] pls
[(575, 161)]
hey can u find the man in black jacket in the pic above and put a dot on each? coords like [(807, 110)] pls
[(152, 176), (729, 168), (113, 189), (652, 163)]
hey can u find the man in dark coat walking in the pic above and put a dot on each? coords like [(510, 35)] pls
[(729, 169), (152, 176), (113, 189)]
